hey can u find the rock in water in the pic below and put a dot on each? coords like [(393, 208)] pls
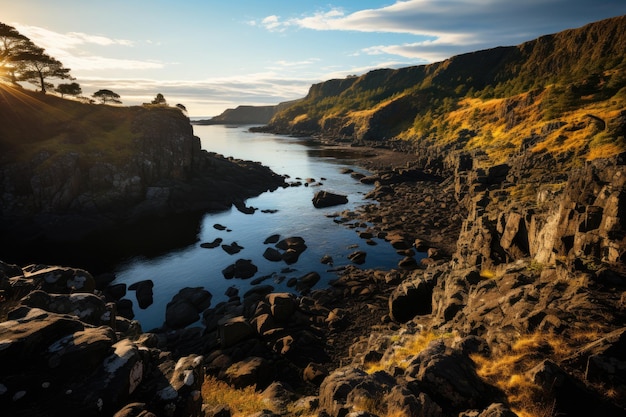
[(242, 268), (327, 199), (357, 257)]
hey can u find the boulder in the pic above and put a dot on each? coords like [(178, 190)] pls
[(210, 245), (290, 256), (28, 333), (272, 255), (280, 396), (186, 306), (282, 306), (264, 324), (295, 243), (125, 308), (272, 239), (117, 378), (143, 292), (250, 371), (410, 299), (450, 378), (182, 389), (323, 199), (233, 330), (327, 260), (347, 389), (306, 282), (408, 263), (232, 249), (87, 307), (114, 292), (357, 257), (292, 247), (242, 268), (402, 402), (60, 280), (571, 396), (82, 352)]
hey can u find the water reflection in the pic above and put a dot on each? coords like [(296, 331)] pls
[(287, 212)]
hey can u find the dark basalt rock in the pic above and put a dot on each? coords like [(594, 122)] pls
[(306, 282), (210, 245), (232, 249), (410, 299), (242, 268), (272, 255), (323, 199), (143, 292), (186, 306), (357, 257)]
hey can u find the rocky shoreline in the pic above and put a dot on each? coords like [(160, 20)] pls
[(518, 308)]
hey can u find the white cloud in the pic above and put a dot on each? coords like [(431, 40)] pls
[(209, 96), (49, 39), (72, 49), (449, 27), (273, 23)]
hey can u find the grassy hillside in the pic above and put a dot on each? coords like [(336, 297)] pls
[(561, 93), (31, 123)]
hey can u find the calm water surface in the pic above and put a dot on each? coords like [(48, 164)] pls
[(194, 266)]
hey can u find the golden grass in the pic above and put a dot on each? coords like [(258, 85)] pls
[(31, 123), (487, 274), (500, 126), (508, 370), (403, 350), (299, 119), (242, 402)]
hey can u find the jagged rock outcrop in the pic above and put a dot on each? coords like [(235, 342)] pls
[(583, 221), (70, 354)]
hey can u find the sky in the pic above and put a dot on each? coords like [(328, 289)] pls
[(212, 55)]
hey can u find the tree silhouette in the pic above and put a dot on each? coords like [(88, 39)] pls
[(22, 60), (107, 96), (159, 100), (72, 89), (13, 47)]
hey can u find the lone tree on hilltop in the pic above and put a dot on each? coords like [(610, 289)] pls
[(182, 108), (72, 89), (159, 100), (107, 96)]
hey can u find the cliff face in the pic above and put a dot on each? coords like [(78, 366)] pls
[(245, 115), (477, 101), (108, 165), (577, 224)]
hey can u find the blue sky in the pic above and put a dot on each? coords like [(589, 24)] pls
[(212, 55)]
